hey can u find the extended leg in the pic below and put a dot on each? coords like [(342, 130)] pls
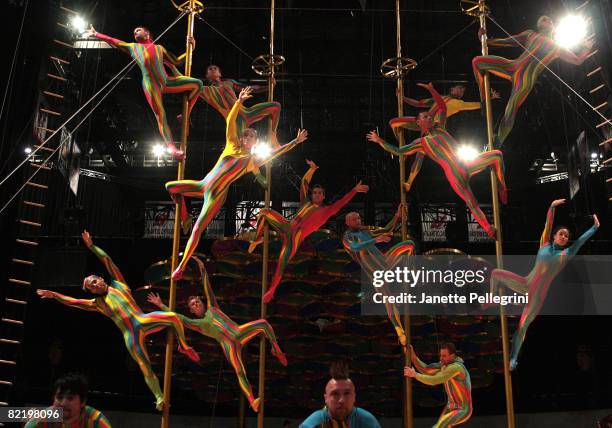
[(497, 65), (415, 168), (393, 254), (511, 280), (529, 314), (179, 189), (495, 160), (251, 329), (153, 95), (255, 113), (134, 342), (155, 321), (185, 84), (522, 84), (233, 353), (451, 418)]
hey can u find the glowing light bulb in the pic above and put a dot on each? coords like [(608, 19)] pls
[(159, 150), (571, 31), (27, 150), (78, 24), (261, 150), (467, 153)]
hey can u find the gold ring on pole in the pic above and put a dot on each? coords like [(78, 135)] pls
[(394, 68), (198, 7), (472, 8), (264, 64)]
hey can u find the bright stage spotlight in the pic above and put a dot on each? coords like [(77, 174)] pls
[(159, 150), (594, 155), (78, 24), (467, 153), (261, 150), (571, 31), (27, 150)]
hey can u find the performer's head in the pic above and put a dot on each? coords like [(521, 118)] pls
[(141, 34), (561, 236), (545, 25), (213, 72), (196, 306), (353, 220), (339, 392), (248, 138), (317, 194), (95, 285), (424, 120), (448, 353), (70, 393), (457, 91)]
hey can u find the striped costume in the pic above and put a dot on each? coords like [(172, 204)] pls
[(438, 145), (361, 246), (231, 336), (539, 51), (89, 418), (151, 59), (309, 218), (233, 163), (550, 260), (457, 385), (221, 95), (119, 305)]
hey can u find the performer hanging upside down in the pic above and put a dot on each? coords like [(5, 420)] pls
[(213, 323), (437, 144), (551, 259), (454, 104), (309, 218), (457, 384), (360, 242), (539, 51), (151, 59), (221, 95), (235, 161), (115, 301)]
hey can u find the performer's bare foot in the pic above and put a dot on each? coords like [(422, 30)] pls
[(254, 244), (503, 194), (282, 358), (177, 154), (491, 232), (190, 352), (255, 404), (401, 336), (159, 403), (269, 295)]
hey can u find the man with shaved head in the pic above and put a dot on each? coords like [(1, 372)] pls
[(340, 410)]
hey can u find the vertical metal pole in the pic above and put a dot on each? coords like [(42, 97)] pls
[(408, 417), (177, 228), (497, 223), (266, 242)]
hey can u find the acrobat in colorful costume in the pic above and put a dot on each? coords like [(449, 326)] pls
[(151, 59), (235, 161), (457, 385), (115, 301), (231, 336), (360, 243), (438, 145), (221, 95), (550, 260), (539, 50), (309, 218)]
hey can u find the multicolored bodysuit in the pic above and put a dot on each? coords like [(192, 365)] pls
[(551, 259), (119, 305), (457, 385), (233, 163), (231, 336), (438, 145), (89, 418), (539, 51), (361, 246), (221, 95), (151, 59), (453, 106), (309, 218)]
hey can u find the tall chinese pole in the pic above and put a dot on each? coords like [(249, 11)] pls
[(191, 8)]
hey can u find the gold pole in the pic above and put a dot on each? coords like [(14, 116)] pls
[(177, 224), (497, 221), (266, 242), (408, 416)]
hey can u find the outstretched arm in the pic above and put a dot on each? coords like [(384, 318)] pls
[(389, 227), (208, 291), (119, 44), (84, 304), (439, 102), (172, 59), (517, 40), (577, 59), (337, 206), (157, 301), (550, 218), (302, 136), (352, 245), (406, 150), (421, 367), (305, 184), (575, 247), (441, 376), (111, 267)]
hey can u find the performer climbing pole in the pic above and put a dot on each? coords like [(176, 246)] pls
[(396, 68), (265, 65), (480, 10), (191, 8)]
